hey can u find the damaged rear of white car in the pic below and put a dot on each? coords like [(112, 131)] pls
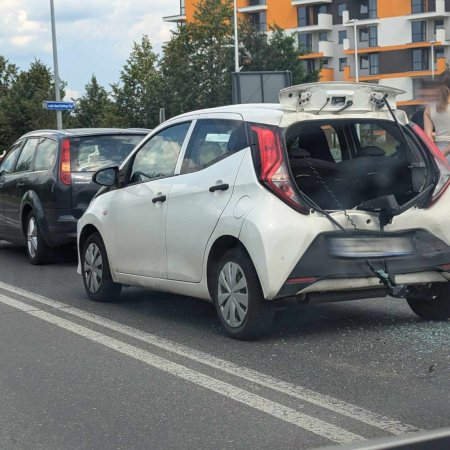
[(330, 195)]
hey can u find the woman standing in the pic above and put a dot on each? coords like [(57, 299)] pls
[(437, 116)]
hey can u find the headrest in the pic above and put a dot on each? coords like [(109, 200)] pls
[(372, 150)]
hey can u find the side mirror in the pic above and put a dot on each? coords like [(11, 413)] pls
[(106, 177)]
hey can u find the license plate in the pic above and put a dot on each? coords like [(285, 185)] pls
[(370, 247)]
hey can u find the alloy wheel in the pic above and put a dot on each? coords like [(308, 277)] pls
[(232, 294), (93, 268), (32, 237)]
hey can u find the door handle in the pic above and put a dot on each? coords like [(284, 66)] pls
[(20, 185), (219, 187), (161, 198)]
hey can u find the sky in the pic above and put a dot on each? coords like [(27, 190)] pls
[(94, 36)]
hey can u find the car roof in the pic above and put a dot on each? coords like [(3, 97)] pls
[(80, 132)]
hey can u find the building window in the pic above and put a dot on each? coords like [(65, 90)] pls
[(368, 9), (364, 62), (419, 31), (305, 42), (373, 36), (363, 35), (310, 65), (420, 59), (438, 53), (342, 64), (374, 64), (306, 16), (258, 21), (182, 7), (341, 7), (418, 6), (256, 2), (438, 24), (342, 35), (325, 62), (323, 36)]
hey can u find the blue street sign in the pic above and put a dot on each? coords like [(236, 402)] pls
[(58, 106)]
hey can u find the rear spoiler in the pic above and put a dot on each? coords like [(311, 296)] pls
[(332, 97)]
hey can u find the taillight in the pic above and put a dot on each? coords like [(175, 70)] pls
[(64, 166), (441, 162), (274, 172)]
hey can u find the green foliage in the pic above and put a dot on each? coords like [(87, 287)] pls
[(95, 108), (137, 95), (21, 104)]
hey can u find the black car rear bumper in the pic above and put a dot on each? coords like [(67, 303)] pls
[(429, 253), (60, 228)]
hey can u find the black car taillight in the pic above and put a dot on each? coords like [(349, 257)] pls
[(64, 165), (274, 173), (441, 162)]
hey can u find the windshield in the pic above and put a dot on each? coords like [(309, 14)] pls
[(91, 153)]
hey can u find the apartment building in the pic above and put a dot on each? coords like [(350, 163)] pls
[(398, 42)]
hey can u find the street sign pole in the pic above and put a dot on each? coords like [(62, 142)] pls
[(59, 123)]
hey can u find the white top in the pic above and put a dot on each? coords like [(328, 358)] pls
[(441, 122)]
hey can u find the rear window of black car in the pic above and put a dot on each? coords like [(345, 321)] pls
[(91, 153)]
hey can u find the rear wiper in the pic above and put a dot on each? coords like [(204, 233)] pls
[(347, 105)]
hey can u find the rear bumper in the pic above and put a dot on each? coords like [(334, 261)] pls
[(319, 271), (61, 228)]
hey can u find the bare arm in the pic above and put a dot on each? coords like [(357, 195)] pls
[(428, 122)]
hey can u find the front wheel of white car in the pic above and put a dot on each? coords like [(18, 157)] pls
[(97, 279), (432, 303), (238, 297)]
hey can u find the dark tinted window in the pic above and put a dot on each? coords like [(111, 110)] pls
[(342, 36), (158, 157), (91, 153), (45, 154), (26, 156), (212, 141), (8, 161), (342, 64), (419, 31)]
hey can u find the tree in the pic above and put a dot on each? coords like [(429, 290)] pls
[(94, 108), (8, 74), (21, 108), (137, 95), (198, 60), (276, 51)]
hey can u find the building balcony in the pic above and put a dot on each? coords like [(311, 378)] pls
[(439, 12), (309, 2), (360, 22), (324, 23), (326, 48), (178, 18), (254, 6), (440, 68)]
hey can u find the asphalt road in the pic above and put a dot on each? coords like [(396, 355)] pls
[(157, 371)]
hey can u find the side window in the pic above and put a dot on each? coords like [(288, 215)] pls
[(9, 160), (45, 154), (26, 156), (158, 157), (374, 135), (212, 141)]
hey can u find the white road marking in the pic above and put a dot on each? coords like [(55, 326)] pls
[(284, 413), (328, 402)]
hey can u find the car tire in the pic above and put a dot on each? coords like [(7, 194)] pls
[(96, 273), (239, 299), (37, 249), (433, 303)]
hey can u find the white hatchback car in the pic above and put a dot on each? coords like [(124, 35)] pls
[(330, 195)]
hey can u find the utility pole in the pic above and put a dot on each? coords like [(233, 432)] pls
[(59, 124), (236, 40)]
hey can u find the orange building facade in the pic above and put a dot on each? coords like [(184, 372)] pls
[(399, 42)]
